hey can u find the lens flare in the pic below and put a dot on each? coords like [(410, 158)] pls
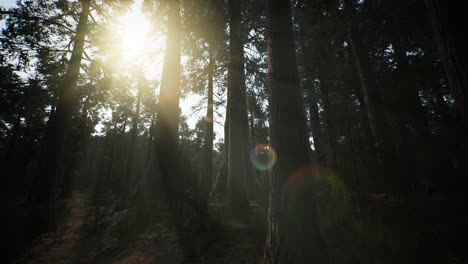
[(316, 176), (313, 183), (263, 157)]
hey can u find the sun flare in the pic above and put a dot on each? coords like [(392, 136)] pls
[(134, 32)]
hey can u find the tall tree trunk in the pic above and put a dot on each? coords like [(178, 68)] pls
[(237, 159), (290, 238), (59, 124), (167, 123), (206, 182)]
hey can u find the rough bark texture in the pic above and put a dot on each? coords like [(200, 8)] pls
[(293, 234), (237, 158), (167, 122), (47, 189)]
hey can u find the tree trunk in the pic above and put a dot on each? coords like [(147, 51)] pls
[(293, 234), (167, 123), (237, 159)]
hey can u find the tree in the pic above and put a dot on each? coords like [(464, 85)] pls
[(238, 167), (167, 122), (48, 188), (288, 242)]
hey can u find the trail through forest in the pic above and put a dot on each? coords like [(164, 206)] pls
[(100, 234), (77, 243)]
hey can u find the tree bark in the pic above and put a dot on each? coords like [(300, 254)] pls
[(167, 123), (290, 238), (237, 202)]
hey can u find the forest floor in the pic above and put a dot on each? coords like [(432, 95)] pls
[(83, 238)]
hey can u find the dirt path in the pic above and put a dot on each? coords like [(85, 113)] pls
[(75, 244), (99, 234)]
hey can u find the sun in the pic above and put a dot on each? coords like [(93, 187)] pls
[(134, 29)]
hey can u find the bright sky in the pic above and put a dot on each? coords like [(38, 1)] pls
[(137, 43)]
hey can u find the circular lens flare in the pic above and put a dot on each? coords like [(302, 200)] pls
[(263, 157), (316, 175)]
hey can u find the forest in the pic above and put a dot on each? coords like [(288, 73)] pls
[(234, 131)]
